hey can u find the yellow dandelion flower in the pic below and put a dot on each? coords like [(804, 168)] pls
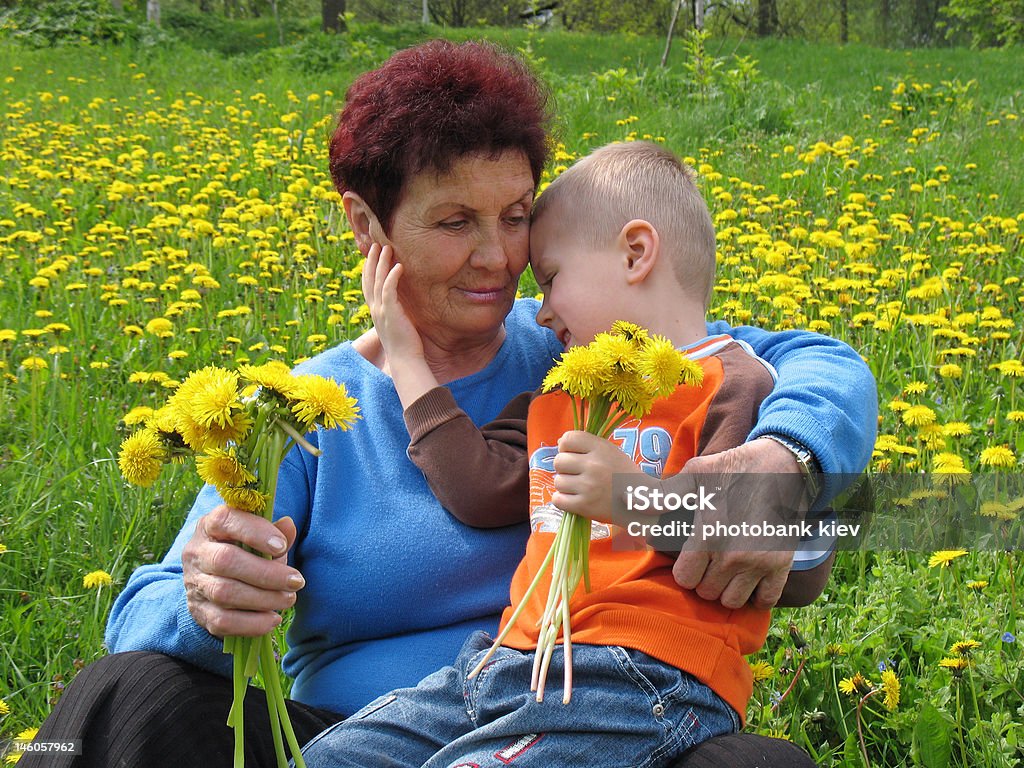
[(4, 708), (761, 671), (956, 666), (141, 458), (956, 429), (25, 737), (964, 648), (915, 388), (34, 364), (897, 405), (944, 557), (995, 509), (245, 499), (1017, 417), (999, 456), (96, 580), (1012, 368), (948, 462), (855, 685), (977, 585), (629, 391), (578, 372), (918, 416), (661, 364), (221, 467), (630, 331), (325, 402), (891, 686), (951, 371), (834, 650), (137, 415), (615, 351), (207, 409), (161, 327), (274, 376)]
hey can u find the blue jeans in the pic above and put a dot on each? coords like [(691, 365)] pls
[(627, 710)]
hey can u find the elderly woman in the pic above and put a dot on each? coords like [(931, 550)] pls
[(439, 153)]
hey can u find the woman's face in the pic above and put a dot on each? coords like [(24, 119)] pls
[(463, 239)]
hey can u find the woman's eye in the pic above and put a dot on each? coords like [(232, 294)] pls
[(515, 221), (456, 225)]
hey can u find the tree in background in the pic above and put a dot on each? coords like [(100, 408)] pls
[(332, 15), (987, 22)]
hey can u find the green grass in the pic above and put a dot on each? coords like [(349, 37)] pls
[(186, 126)]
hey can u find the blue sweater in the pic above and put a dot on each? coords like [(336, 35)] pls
[(394, 584)]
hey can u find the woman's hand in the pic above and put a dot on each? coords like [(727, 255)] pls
[(404, 360), (735, 575), (234, 592)]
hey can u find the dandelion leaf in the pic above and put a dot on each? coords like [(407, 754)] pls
[(933, 738)]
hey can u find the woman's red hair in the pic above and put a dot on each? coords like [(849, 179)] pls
[(428, 106)]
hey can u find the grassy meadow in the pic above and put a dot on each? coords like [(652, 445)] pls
[(165, 208)]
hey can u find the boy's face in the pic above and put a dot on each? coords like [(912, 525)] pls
[(583, 286)]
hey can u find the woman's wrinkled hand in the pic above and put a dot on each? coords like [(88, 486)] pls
[(231, 591), (734, 574)]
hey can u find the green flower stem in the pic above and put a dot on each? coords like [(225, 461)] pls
[(515, 614), (298, 438), (256, 654), (236, 716)]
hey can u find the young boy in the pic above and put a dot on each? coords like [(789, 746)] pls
[(622, 235)]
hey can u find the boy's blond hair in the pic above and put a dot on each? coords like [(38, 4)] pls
[(640, 180)]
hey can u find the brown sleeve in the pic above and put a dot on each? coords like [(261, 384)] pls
[(733, 411), (731, 416), (480, 475)]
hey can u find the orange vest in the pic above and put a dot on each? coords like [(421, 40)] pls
[(634, 601)]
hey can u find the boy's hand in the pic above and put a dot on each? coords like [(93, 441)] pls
[(403, 348), (395, 329), (584, 467)]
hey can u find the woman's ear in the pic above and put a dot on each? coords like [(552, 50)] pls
[(364, 222), (640, 247)]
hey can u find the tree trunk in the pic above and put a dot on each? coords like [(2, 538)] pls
[(332, 14), (671, 31), (425, 18), (844, 21), (117, 5), (698, 15), (885, 20), (767, 18), (153, 12)]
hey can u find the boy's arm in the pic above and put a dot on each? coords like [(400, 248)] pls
[(735, 407), (825, 399), (480, 475)]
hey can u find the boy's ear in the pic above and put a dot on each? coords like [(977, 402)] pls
[(641, 247), (364, 222)]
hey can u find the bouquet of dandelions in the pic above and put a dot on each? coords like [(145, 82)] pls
[(238, 425), (617, 376)]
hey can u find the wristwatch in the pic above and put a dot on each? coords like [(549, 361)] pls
[(806, 461)]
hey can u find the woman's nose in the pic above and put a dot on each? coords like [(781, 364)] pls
[(489, 251)]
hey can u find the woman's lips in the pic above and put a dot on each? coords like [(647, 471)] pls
[(484, 295)]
